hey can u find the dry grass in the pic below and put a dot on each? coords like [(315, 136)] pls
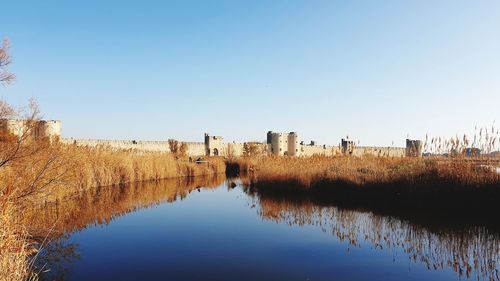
[(452, 176), (362, 171), (100, 205), (35, 171), (14, 247), (451, 187), (42, 171), (102, 166)]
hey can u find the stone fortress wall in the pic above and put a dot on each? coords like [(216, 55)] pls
[(380, 151), (50, 129), (194, 148), (149, 146), (324, 150), (279, 144), (290, 144), (217, 147)]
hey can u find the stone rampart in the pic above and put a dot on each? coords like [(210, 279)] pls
[(193, 148), (379, 151), (151, 146), (36, 129), (325, 150), (216, 146)]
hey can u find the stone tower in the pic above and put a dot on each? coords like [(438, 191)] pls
[(214, 145), (413, 148), (278, 144), (347, 146), (293, 144)]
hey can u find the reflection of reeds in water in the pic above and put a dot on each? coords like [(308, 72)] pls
[(100, 205), (55, 221), (452, 185), (469, 252), (34, 172)]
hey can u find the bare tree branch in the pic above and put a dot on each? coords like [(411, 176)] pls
[(5, 60)]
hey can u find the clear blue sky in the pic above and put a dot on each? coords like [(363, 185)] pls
[(374, 70)]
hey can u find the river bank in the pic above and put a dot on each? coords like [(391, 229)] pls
[(151, 229), (37, 172), (452, 187), (46, 172)]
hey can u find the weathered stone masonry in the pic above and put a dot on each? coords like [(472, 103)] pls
[(279, 144)]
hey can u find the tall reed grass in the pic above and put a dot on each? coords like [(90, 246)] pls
[(453, 187), (362, 171), (15, 247), (102, 166), (39, 171), (459, 161)]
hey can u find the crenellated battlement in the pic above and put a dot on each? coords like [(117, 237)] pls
[(279, 144)]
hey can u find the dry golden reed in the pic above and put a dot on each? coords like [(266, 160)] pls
[(360, 171), (102, 166), (43, 171), (15, 248)]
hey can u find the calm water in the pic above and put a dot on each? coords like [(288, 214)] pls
[(213, 230)]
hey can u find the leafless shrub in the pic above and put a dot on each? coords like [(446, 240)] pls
[(251, 149), (5, 60), (177, 148)]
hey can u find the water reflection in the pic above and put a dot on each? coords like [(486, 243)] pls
[(472, 251), (54, 258), (101, 205), (52, 224)]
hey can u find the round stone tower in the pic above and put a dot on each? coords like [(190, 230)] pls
[(278, 145), (52, 129), (293, 144)]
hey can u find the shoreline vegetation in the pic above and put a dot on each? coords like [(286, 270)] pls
[(55, 171), (453, 188), (37, 171), (448, 244)]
